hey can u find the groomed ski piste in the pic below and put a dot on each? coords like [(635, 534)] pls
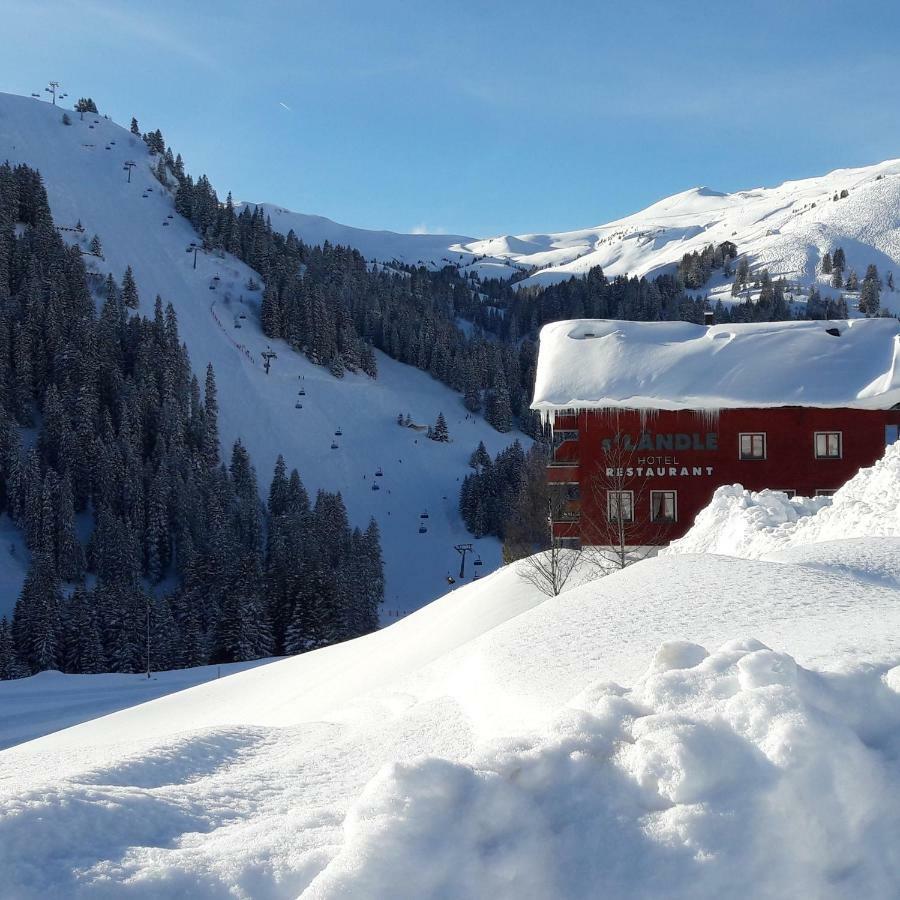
[(82, 168), (697, 725)]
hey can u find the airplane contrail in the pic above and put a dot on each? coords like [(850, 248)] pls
[(284, 105)]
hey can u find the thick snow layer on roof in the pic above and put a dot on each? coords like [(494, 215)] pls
[(594, 363)]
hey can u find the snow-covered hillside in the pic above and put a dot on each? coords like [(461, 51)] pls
[(787, 229), (82, 168), (694, 726)]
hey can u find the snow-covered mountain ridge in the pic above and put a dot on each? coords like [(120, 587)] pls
[(786, 229)]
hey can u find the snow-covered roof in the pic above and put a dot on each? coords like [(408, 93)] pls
[(595, 363)]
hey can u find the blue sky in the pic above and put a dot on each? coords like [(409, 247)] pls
[(477, 118)]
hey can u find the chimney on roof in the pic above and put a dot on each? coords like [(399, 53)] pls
[(709, 317)]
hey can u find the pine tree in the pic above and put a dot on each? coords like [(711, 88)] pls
[(870, 292), (10, 666), (135, 128), (129, 291), (440, 432), (499, 413), (95, 247), (210, 446), (37, 625), (826, 263)]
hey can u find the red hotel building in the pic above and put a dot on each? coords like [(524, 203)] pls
[(649, 418)]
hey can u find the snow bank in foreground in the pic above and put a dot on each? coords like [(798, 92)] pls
[(717, 775), (745, 523)]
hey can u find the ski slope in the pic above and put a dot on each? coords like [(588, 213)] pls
[(82, 168), (786, 229), (634, 737)]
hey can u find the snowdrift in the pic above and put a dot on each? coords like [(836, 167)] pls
[(753, 524), (501, 743), (724, 774)]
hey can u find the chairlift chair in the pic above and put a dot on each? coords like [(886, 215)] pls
[(424, 515), (376, 486), (298, 405), (422, 529), (379, 473), (334, 445), (302, 392), (478, 561), (338, 433)]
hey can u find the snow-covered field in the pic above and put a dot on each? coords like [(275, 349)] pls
[(697, 725), (82, 169), (787, 229), (50, 701)]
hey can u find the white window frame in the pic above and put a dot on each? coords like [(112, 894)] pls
[(791, 493), (609, 506), (753, 434), (826, 492), (825, 434), (664, 520)]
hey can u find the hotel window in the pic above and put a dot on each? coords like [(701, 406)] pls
[(663, 506), (828, 445), (753, 445), (826, 492), (620, 506), (790, 493)]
